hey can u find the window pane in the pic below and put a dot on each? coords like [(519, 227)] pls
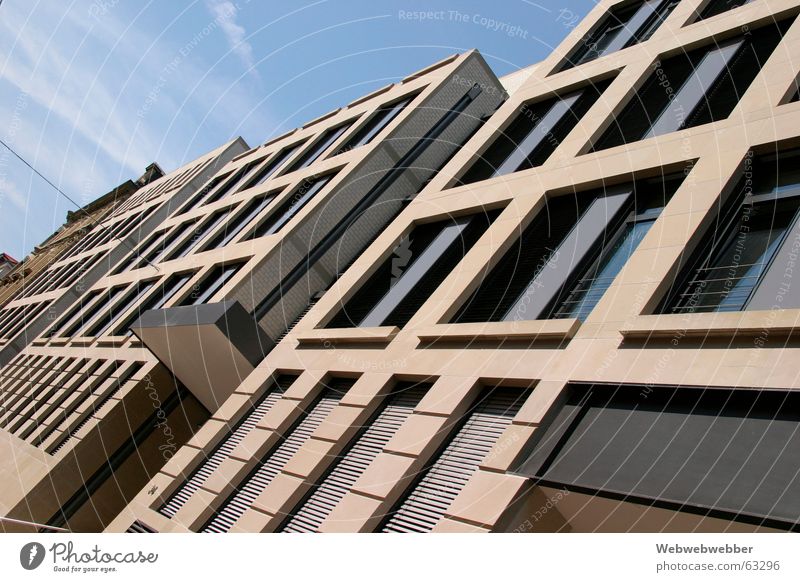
[(534, 134), (725, 283), (417, 266), (590, 289), (302, 196), (375, 125)]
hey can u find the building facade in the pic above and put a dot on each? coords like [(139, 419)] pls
[(452, 307), (7, 262), (23, 278)]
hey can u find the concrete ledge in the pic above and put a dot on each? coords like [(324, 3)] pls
[(350, 335), (782, 323), (543, 329), (112, 341)]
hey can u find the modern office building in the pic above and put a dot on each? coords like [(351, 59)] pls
[(557, 301)]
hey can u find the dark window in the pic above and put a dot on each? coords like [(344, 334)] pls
[(719, 6), (163, 293), (139, 288), (105, 298), (743, 262), (301, 196), (232, 185), (199, 234), (161, 244), (621, 28), (534, 134), (374, 125), (694, 88), (195, 200), (728, 453), (612, 253), (565, 260), (141, 250), (416, 268), (387, 183), (212, 283), (274, 165), (318, 148), (239, 222), (74, 312)]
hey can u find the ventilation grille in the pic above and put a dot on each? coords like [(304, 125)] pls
[(97, 409), (353, 464), (139, 527), (312, 302), (444, 480), (225, 448), (274, 462)]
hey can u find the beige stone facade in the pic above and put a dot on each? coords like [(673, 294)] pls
[(432, 419)]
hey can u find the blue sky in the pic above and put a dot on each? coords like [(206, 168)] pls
[(93, 91)]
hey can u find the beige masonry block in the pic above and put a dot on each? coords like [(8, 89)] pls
[(157, 491), (342, 423), (419, 434), (447, 525), (282, 414), (183, 462), (305, 387), (508, 448), (367, 389), (251, 521), (485, 497), (354, 513), (255, 444), (672, 230), (208, 435), (233, 406), (539, 403), (449, 396), (226, 476), (281, 495), (312, 459), (197, 510), (386, 474)]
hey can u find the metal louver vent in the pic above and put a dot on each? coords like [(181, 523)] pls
[(355, 461), (139, 527), (312, 302), (223, 450), (273, 462), (428, 500), (97, 408)]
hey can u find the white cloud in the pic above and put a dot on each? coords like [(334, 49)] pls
[(224, 13), (10, 192), (83, 81)]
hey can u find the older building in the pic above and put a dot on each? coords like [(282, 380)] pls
[(22, 279), (450, 307), (7, 262)]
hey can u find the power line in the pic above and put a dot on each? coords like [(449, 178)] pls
[(60, 191)]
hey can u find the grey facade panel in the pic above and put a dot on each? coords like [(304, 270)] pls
[(734, 451)]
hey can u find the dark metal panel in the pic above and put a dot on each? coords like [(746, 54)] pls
[(730, 450)]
